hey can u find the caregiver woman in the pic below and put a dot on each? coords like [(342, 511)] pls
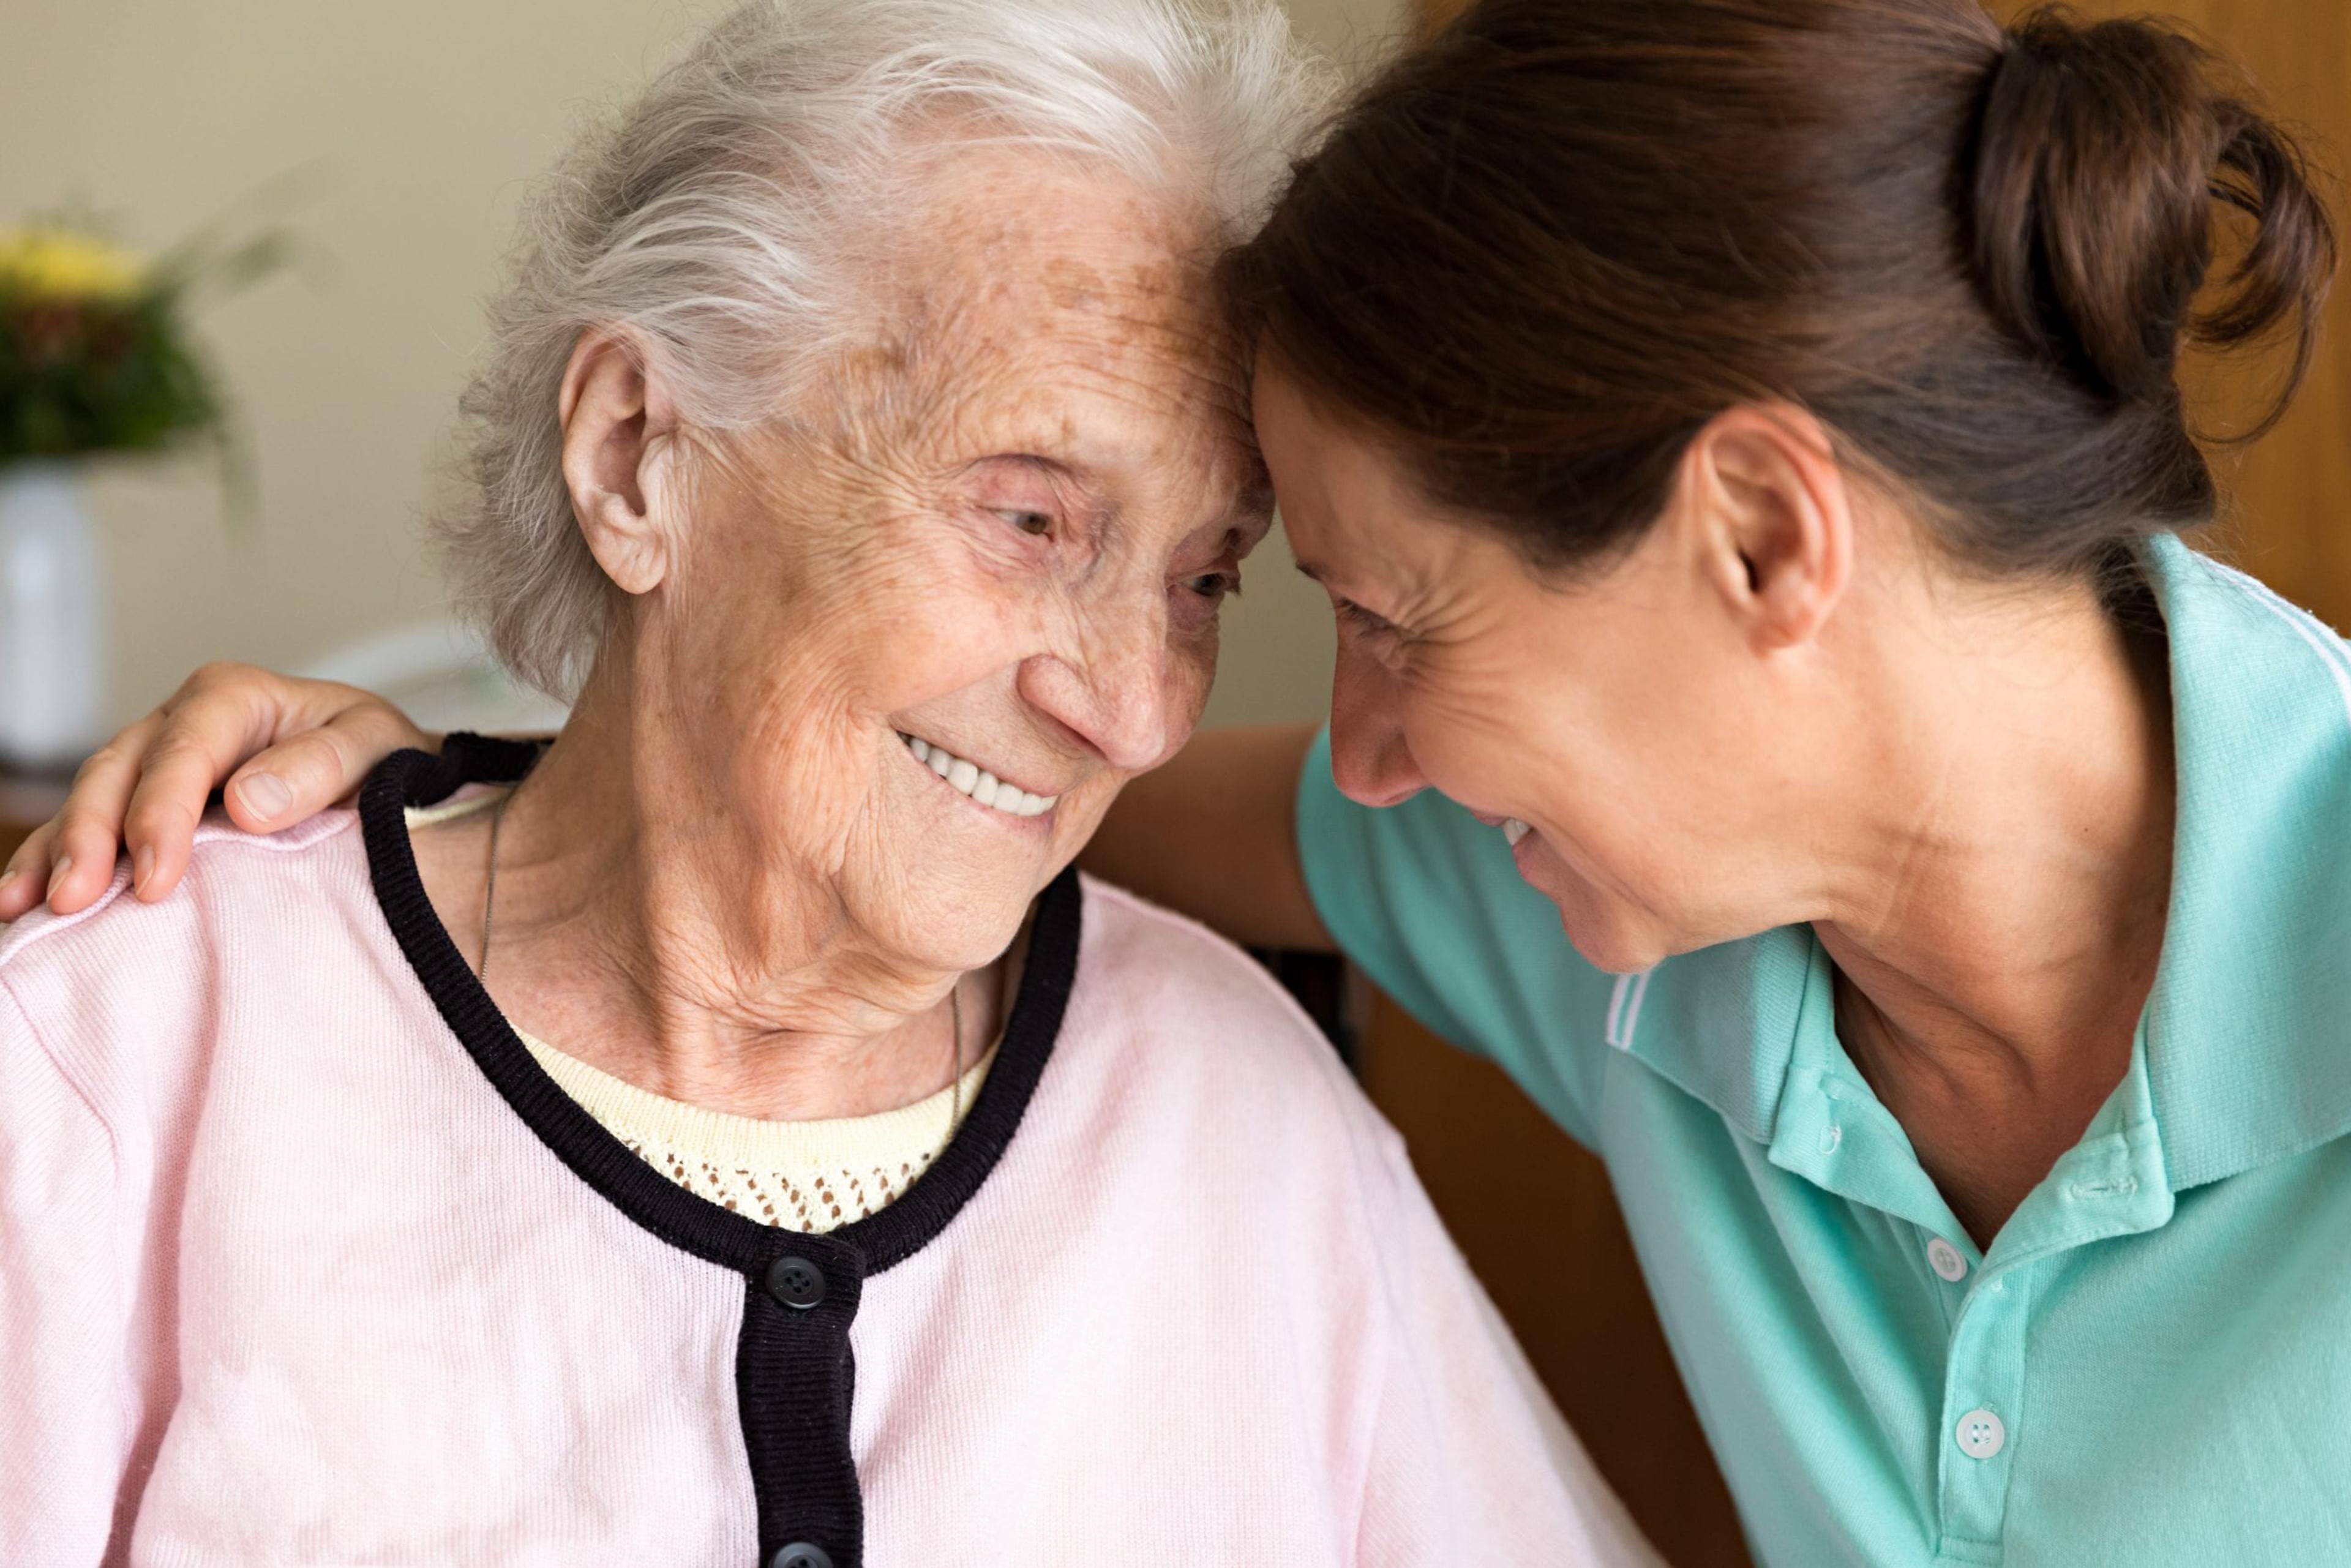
[(1742, 445)]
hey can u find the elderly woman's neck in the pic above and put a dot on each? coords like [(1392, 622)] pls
[(637, 925)]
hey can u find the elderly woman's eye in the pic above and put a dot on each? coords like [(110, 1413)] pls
[(1027, 521), (1214, 584)]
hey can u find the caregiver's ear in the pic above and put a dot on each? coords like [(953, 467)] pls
[(618, 424), (1768, 520)]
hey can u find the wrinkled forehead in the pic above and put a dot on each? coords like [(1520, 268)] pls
[(1018, 284)]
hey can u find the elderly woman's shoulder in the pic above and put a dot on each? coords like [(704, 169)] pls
[(110, 1015), (1170, 974), (1177, 1039), (253, 882), (1154, 948)]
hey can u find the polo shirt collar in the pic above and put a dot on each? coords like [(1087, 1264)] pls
[(2247, 1034), (2249, 1027)]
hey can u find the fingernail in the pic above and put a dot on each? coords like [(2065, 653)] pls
[(264, 795), (143, 866), (57, 876)]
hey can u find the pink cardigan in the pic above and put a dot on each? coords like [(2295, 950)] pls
[(304, 1260)]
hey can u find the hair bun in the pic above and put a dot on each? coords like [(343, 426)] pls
[(2100, 152)]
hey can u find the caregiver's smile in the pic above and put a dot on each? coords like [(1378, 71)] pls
[(1517, 695), (765, 1143), (1743, 445), (1514, 831)]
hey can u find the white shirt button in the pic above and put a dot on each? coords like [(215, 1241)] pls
[(1947, 1260), (1981, 1435)]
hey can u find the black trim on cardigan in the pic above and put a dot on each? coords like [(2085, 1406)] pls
[(794, 1378)]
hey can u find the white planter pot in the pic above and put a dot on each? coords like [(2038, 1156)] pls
[(52, 618)]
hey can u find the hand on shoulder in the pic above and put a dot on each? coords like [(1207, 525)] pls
[(280, 749)]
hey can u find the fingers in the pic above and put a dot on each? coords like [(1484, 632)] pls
[(298, 778), (285, 748), (220, 716), (167, 803), (70, 861), (296, 747)]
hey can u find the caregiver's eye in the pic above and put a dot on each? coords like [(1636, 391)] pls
[(1027, 521), (1362, 620)]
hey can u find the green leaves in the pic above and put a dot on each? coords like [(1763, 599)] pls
[(95, 352), (99, 375)]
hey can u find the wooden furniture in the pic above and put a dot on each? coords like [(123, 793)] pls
[(26, 804), (2289, 518), (1534, 1213)]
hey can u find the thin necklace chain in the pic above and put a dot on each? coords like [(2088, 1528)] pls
[(490, 887), (954, 1066), (954, 992)]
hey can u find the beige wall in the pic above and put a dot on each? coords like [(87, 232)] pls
[(414, 127)]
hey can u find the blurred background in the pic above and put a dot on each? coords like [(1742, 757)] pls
[(395, 140), (401, 137)]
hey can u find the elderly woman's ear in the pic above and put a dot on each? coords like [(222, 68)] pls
[(619, 424)]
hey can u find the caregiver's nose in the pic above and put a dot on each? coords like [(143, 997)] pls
[(1370, 760)]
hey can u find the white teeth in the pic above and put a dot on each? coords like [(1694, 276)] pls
[(1514, 829), (983, 787)]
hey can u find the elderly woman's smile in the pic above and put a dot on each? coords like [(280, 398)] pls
[(890, 651), (733, 1133), (1775, 722), (1001, 795)]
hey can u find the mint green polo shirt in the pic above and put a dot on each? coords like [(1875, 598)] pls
[(2152, 1365)]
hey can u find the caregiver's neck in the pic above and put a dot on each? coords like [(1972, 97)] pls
[(2002, 876), (641, 928)]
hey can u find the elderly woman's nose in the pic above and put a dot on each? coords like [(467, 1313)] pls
[(1115, 691)]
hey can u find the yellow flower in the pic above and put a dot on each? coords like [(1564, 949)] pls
[(55, 264)]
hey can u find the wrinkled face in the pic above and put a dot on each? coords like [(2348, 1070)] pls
[(1608, 724), (941, 625)]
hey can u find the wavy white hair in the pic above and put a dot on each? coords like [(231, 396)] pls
[(706, 217)]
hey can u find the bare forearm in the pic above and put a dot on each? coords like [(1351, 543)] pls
[(1213, 834)]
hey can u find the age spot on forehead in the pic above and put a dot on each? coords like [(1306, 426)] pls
[(1072, 284), (1022, 280)]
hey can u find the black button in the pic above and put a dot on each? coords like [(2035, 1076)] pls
[(799, 1284), (799, 1553)]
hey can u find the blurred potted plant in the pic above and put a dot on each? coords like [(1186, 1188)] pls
[(95, 358)]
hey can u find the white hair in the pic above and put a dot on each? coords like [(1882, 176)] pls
[(706, 221)]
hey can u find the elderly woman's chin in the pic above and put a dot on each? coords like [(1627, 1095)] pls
[(961, 876)]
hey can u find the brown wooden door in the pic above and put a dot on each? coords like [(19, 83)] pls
[(1534, 1213), (2289, 515)]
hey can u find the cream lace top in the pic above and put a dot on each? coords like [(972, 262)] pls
[(809, 1177)]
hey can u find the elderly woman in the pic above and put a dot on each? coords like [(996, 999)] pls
[(743, 1140), (1777, 721)]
